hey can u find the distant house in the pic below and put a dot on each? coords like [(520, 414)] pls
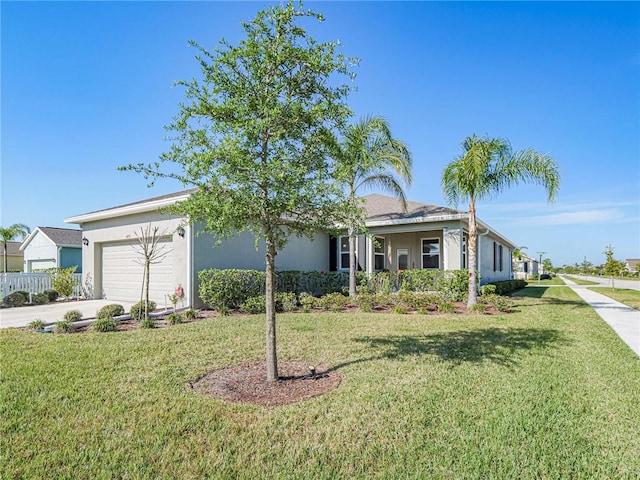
[(525, 267), (14, 256), (48, 247), (632, 264), (424, 237)]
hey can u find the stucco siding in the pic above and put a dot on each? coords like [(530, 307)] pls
[(489, 270)]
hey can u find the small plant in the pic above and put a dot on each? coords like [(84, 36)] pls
[(446, 307), (478, 308), (110, 311), (488, 289), (399, 309), (174, 319), (223, 310), (104, 324), (137, 310), (52, 295), (64, 326), (254, 305), (62, 280), (423, 311), (40, 298), (307, 301), (499, 302), (366, 302), (147, 323), (334, 302), (36, 325), (191, 314), (286, 301), (17, 298), (73, 316), (174, 299)]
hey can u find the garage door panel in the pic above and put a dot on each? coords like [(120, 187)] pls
[(122, 272)]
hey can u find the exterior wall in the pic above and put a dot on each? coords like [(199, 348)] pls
[(122, 229), (15, 263), (485, 260), (70, 257), (40, 250)]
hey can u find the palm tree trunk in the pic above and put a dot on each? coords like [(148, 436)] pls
[(473, 267), (352, 263), (272, 359), (4, 260)]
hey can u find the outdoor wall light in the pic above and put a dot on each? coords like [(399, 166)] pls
[(180, 231), (85, 241)]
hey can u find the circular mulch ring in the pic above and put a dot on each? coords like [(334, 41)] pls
[(248, 383)]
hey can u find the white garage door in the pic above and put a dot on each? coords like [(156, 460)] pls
[(122, 272)]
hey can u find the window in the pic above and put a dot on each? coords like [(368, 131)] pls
[(402, 255), (344, 253), (464, 252), (495, 256), (500, 255), (430, 253), (378, 253)]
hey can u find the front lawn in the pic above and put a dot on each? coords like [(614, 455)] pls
[(622, 295), (546, 392), (550, 281)]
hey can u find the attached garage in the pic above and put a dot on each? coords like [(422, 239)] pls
[(41, 264), (122, 272)]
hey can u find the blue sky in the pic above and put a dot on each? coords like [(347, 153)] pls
[(88, 86)]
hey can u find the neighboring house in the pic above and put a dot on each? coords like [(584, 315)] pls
[(631, 264), (14, 257), (525, 267), (49, 247), (426, 236)]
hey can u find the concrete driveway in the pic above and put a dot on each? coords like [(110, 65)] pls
[(52, 312)]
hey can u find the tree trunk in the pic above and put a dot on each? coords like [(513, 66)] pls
[(146, 289), (4, 260), (473, 267), (352, 263), (272, 358)]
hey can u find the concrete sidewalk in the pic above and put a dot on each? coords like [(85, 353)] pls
[(624, 320), (52, 312)]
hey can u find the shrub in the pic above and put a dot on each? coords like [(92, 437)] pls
[(500, 303), (64, 326), (17, 298), (62, 280), (479, 308), (36, 325), (40, 298), (191, 314), (174, 319), (488, 289), (445, 307), (73, 315), (137, 310), (508, 286), (286, 301), (111, 310), (254, 305), (52, 295), (147, 323), (399, 309), (307, 302), (104, 324), (334, 302), (365, 301), (229, 288)]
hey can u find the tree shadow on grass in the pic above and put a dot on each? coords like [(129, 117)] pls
[(538, 293), (502, 346)]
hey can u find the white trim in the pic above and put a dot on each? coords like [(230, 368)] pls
[(149, 206), (340, 253)]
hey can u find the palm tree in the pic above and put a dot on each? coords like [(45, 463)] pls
[(8, 234), (369, 157), (485, 168)]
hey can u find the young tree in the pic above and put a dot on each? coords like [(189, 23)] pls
[(547, 265), (485, 168), (8, 234), (255, 135), (369, 157), (612, 267), (150, 254)]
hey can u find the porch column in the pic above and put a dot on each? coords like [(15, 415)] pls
[(370, 249), (452, 248)]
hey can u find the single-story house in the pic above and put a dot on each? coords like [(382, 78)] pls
[(525, 267), (426, 236), (50, 247), (632, 264), (14, 256)]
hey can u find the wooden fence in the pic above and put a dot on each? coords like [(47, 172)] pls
[(35, 283)]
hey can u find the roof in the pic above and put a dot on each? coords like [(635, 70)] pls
[(381, 208), (632, 262), (147, 205), (61, 237), (13, 248)]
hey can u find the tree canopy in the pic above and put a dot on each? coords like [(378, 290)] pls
[(255, 136)]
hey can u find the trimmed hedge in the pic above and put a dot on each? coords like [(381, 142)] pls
[(507, 286)]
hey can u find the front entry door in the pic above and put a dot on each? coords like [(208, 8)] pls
[(402, 257)]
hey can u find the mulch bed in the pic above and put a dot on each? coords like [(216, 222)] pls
[(248, 383)]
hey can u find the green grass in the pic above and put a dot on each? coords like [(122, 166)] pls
[(581, 281), (546, 392), (622, 295), (551, 281)]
